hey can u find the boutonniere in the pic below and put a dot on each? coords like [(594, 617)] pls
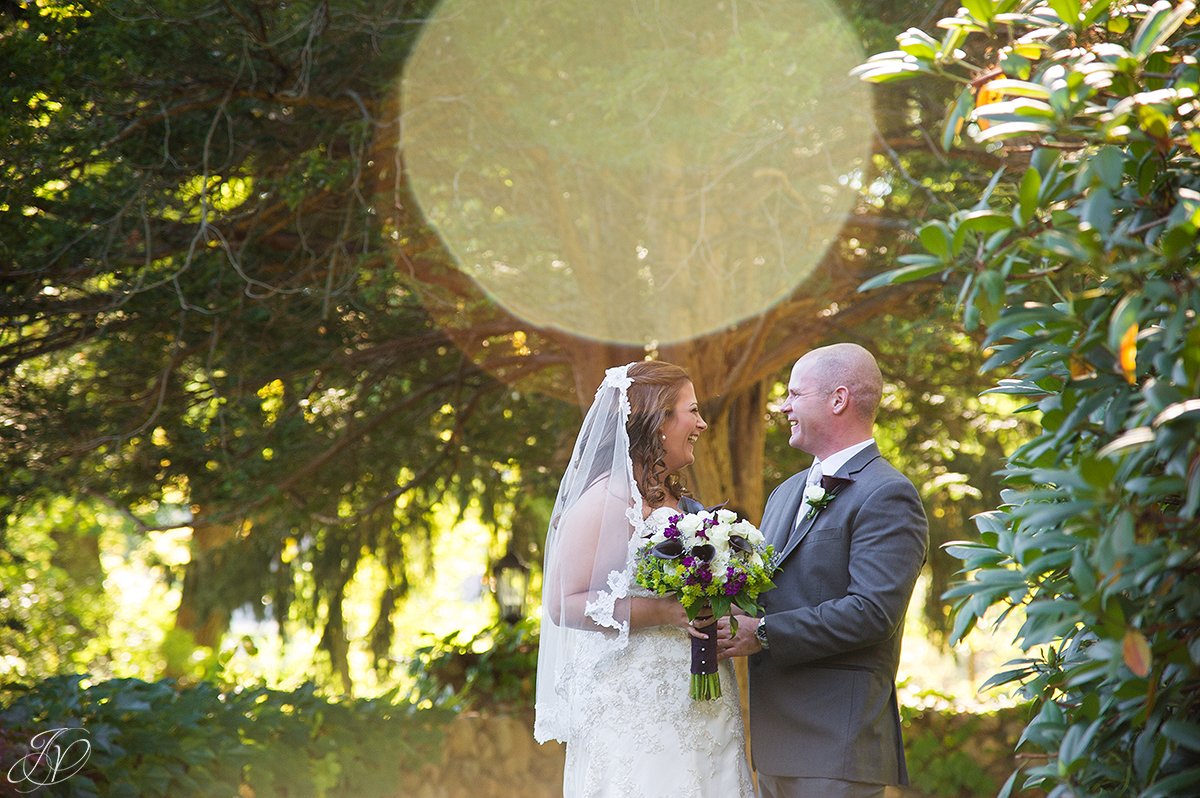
[(818, 497)]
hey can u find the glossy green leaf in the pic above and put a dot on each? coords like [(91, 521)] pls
[(936, 237), (906, 274), (919, 44), (1183, 783), (1109, 164), (980, 10), (1094, 10), (1007, 130), (1031, 186), (1184, 732), (1162, 20), (959, 112)]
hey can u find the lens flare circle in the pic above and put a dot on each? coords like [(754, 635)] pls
[(637, 171)]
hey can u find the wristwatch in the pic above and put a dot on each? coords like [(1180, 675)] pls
[(760, 633)]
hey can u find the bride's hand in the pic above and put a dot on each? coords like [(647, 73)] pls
[(699, 628)]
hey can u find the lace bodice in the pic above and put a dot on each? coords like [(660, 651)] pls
[(637, 732)]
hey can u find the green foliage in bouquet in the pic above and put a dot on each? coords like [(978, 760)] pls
[(1079, 268), (151, 739)]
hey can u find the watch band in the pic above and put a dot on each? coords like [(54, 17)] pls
[(760, 633)]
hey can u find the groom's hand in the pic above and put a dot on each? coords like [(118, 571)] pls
[(741, 643)]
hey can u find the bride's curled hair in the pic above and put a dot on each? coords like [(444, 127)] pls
[(652, 398)]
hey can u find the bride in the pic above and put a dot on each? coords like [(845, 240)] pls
[(613, 663)]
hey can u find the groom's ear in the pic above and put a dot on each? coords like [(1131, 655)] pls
[(840, 400)]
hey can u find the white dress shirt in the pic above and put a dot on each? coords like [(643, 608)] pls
[(829, 467)]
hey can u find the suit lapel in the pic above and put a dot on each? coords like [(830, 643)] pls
[(801, 530), (851, 469), (780, 531)]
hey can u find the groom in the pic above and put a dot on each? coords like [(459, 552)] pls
[(824, 720)]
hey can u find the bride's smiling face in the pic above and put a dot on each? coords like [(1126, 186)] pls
[(682, 429)]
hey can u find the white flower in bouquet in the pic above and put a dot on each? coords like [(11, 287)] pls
[(719, 536), (690, 524), (750, 532)]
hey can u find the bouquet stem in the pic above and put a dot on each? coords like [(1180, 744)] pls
[(706, 681)]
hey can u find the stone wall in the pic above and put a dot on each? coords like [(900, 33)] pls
[(493, 756), (949, 756)]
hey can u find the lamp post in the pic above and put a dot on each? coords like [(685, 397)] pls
[(510, 581)]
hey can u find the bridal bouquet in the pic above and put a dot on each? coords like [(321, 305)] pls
[(707, 559)]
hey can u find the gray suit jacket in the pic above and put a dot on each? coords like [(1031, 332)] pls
[(823, 697)]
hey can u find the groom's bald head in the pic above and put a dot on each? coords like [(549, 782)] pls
[(849, 366)]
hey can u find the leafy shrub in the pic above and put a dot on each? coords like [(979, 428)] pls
[(153, 739), (492, 670), (952, 754), (1083, 270)]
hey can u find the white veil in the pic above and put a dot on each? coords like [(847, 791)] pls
[(587, 570)]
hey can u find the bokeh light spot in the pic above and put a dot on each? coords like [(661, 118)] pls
[(635, 171)]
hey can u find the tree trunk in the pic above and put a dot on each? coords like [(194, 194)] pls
[(200, 619)]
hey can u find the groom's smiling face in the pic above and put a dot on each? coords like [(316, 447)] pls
[(806, 408)]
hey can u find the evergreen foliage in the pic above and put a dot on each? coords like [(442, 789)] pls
[(204, 322), (1080, 264), (146, 739)]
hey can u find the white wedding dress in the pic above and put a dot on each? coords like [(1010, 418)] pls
[(639, 734)]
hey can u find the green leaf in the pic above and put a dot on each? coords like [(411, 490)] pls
[(1132, 439), (1006, 130), (1174, 786), (958, 114), (1019, 109), (918, 43), (1183, 732), (936, 237), (890, 70), (1098, 210), (980, 10), (1188, 410), (954, 36), (1004, 677), (906, 274), (1067, 10), (1082, 573), (1009, 784), (1109, 164), (1147, 752), (1061, 244), (964, 622), (1124, 316), (1019, 88), (1154, 122), (1161, 21), (1075, 744), (1094, 10), (987, 221), (1031, 186)]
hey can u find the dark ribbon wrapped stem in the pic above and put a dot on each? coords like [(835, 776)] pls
[(706, 681), (704, 652)]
